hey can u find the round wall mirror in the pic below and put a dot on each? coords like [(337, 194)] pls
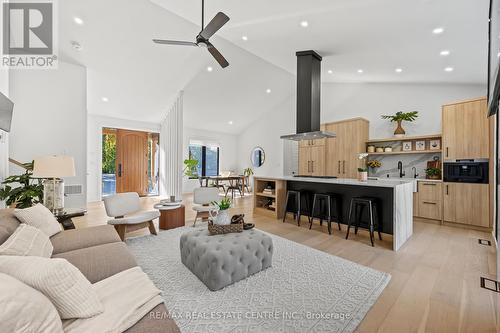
[(258, 157)]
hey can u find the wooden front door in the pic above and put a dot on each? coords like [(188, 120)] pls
[(131, 161)]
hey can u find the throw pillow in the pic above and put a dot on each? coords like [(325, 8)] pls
[(25, 309), (27, 241), (64, 285), (39, 217)]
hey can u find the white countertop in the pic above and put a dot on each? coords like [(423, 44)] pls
[(391, 182)]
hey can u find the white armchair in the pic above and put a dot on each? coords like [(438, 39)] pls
[(125, 208), (202, 199)]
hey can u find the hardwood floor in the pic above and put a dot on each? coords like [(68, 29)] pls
[(435, 275)]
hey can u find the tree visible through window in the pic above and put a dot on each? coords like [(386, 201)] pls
[(207, 157)]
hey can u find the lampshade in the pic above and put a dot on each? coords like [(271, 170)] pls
[(54, 167)]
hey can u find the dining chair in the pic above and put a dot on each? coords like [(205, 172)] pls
[(234, 185)]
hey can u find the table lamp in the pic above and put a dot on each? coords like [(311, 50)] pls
[(53, 168)]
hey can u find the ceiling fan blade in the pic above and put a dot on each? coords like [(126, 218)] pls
[(174, 42), (217, 55), (217, 22)]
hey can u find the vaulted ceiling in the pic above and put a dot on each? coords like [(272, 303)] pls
[(140, 79)]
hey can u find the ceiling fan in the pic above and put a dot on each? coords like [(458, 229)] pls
[(202, 40)]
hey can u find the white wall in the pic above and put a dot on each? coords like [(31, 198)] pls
[(4, 140), (228, 158), (50, 118), (94, 148), (371, 100), (349, 100)]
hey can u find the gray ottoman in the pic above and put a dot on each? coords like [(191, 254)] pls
[(221, 260)]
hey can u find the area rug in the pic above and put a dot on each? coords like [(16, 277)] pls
[(305, 290)]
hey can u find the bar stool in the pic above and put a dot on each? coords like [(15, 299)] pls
[(299, 211), (361, 203), (326, 199)]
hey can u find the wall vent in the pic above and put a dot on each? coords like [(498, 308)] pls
[(73, 189)]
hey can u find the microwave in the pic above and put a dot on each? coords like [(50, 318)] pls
[(466, 171)]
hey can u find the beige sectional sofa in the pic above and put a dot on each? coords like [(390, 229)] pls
[(98, 253)]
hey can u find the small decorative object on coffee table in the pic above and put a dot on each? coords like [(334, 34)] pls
[(221, 260)]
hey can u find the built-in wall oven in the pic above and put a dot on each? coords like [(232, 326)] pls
[(466, 171)]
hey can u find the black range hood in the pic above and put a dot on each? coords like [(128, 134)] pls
[(308, 98)]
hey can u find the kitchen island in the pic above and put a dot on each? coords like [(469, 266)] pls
[(395, 199)]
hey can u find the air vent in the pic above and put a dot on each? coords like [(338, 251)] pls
[(73, 189)]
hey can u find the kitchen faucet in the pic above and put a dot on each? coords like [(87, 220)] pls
[(415, 174), (400, 168)]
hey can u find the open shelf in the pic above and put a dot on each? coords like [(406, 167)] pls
[(408, 152), (406, 138), (266, 195)]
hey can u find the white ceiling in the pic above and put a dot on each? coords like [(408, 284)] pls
[(141, 79), (377, 36)]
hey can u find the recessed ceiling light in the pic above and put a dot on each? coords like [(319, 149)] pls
[(78, 20), (210, 68), (438, 31), (105, 99), (245, 38), (398, 70), (77, 46), (444, 53), (449, 69), (304, 24), (330, 71), (230, 122), (360, 71), (268, 91)]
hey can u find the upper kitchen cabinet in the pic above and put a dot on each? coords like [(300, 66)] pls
[(466, 130), (342, 151), (317, 142)]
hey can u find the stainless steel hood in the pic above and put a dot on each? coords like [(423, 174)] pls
[(308, 98)]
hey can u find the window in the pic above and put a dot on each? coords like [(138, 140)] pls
[(207, 157)]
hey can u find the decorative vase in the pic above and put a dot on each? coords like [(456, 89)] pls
[(363, 176), (399, 132), (221, 217)]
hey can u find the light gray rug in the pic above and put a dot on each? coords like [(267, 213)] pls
[(305, 290)]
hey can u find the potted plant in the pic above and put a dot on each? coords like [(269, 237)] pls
[(221, 216), (374, 164), (190, 168), (248, 172), (29, 193), (433, 173), (363, 171), (399, 117)]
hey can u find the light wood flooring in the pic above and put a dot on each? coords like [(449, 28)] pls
[(435, 276)]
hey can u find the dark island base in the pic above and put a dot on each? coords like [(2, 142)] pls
[(384, 194)]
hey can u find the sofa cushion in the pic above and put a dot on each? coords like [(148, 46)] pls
[(25, 309), (65, 286), (101, 261), (8, 224), (75, 239), (39, 217), (156, 321), (27, 241)]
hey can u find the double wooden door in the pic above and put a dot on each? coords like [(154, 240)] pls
[(131, 161)]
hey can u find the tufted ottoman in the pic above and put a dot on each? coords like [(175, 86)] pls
[(221, 260)]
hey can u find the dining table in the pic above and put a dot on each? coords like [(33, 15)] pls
[(217, 179)]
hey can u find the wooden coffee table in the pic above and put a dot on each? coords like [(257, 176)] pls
[(172, 217)]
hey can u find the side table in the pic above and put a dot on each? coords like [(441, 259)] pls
[(65, 217), (172, 217)]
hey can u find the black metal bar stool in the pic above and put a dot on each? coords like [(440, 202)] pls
[(326, 200), (299, 210), (358, 204)]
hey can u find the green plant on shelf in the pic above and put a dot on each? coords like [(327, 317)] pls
[(433, 172)]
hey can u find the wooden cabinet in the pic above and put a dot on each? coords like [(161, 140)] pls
[(465, 130), (427, 202), (466, 204), (312, 160), (342, 152)]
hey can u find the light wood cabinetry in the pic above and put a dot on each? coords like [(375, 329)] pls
[(465, 130), (342, 152), (312, 161), (428, 201), (466, 204), (269, 204)]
